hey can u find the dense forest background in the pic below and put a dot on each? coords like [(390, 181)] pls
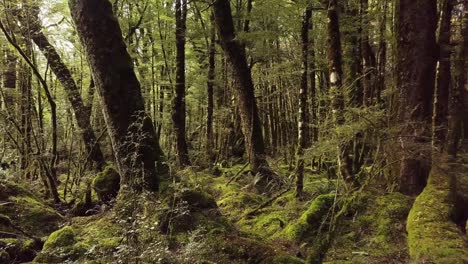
[(233, 131)]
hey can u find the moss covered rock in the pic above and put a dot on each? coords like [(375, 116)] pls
[(107, 184), (433, 237), (86, 238), (23, 209), (312, 219)]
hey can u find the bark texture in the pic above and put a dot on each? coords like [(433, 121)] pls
[(443, 81), (336, 83), (416, 63), (235, 52), (303, 124), (179, 108), (133, 137)]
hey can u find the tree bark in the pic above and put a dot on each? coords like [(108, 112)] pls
[(336, 83), (63, 74), (210, 90), (303, 124), (443, 79), (137, 151), (179, 108), (9, 80), (458, 118), (251, 124), (416, 63)]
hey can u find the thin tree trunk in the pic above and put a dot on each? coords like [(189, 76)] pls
[(137, 151), (303, 124), (179, 107), (210, 90)]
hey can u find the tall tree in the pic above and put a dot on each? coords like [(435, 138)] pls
[(335, 67), (137, 151), (30, 17), (210, 89), (303, 124), (179, 107), (416, 63), (250, 119), (458, 118), (443, 80)]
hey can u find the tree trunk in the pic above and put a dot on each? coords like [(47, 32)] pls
[(367, 57), (137, 151), (303, 124), (9, 81), (63, 74), (443, 81), (251, 124), (416, 62), (210, 90), (178, 114), (458, 118), (336, 83)]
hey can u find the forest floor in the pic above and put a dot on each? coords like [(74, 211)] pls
[(217, 216)]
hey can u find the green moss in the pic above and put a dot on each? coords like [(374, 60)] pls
[(392, 211), (85, 238), (107, 184), (61, 238), (432, 236), (197, 199), (312, 219), (27, 211)]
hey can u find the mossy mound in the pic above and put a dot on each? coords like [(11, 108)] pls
[(107, 184), (86, 238), (433, 237), (372, 230), (26, 211), (189, 210), (312, 220)]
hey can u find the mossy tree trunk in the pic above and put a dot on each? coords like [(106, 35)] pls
[(138, 154), (416, 63)]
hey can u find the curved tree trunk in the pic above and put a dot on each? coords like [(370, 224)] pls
[(81, 112), (139, 157), (251, 124)]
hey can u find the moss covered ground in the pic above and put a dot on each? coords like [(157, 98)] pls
[(201, 217)]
